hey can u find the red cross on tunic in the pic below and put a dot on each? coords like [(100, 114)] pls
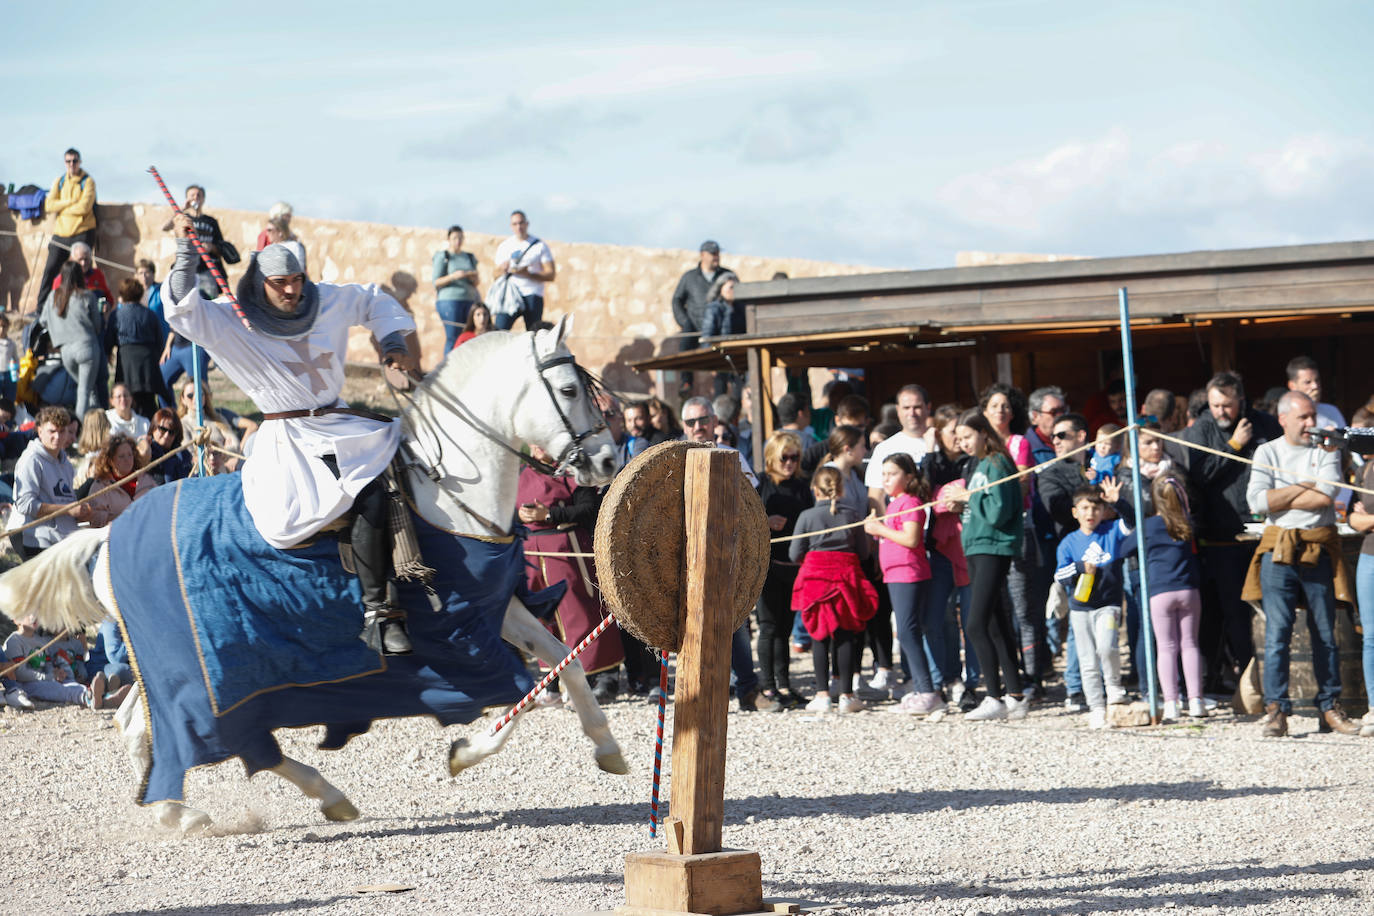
[(310, 366)]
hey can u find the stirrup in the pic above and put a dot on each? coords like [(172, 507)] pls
[(384, 631)]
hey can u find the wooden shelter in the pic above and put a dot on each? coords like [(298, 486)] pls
[(955, 330)]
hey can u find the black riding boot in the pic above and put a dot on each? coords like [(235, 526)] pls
[(384, 626)]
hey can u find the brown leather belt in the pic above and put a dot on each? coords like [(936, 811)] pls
[(322, 411)]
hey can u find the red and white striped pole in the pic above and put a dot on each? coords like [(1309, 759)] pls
[(529, 697), (204, 255), (658, 742)]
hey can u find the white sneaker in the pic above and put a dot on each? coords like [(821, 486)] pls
[(1198, 709), (1170, 713), (956, 692), (547, 699), (1367, 725), (17, 698), (1097, 718), (1116, 696), (882, 680), (851, 703), (1074, 703), (990, 708), (1016, 709), (819, 703), (921, 704)]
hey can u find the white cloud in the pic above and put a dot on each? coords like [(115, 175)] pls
[(1023, 195), (1114, 196)]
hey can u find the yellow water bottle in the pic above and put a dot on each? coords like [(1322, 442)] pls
[(1084, 589)]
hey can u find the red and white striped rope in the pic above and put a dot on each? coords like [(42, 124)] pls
[(529, 697), (204, 255)]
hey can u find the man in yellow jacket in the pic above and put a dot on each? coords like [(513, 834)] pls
[(72, 201)]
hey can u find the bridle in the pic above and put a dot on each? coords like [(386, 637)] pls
[(572, 457)]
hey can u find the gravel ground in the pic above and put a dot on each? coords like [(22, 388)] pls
[(871, 812)]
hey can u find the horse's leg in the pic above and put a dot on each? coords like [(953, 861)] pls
[(132, 720), (133, 727), (333, 804), (520, 628), (466, 752)]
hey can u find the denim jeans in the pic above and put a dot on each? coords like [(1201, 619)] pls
[(1364, 593), (1136, 634), (1028, 584), (452, 312), (799, 635), (1073, 676), (1284, 587), (914, 624), (940, 592), (742, 672), (179, 363), (80, 362), (532, 311)]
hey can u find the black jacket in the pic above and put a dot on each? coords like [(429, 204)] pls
[(1055, 487), (689, 299), (790, 498), (1221, 509), (939, 469)]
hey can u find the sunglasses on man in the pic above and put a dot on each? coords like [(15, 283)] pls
[(699, 421)]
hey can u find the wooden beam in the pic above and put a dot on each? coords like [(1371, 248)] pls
[(1223, 346), (766, 400), (984, 364), (757, 408), (702, 698)]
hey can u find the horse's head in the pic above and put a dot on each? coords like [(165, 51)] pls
[(562, 414)]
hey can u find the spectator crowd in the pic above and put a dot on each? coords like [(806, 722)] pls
[(941, 558)]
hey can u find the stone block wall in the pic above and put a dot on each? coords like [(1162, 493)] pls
[(620, 295)]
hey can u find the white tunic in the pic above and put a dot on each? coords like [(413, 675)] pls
[(289, 491)]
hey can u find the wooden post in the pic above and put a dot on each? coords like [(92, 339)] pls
[(695, 875), (702, 700)]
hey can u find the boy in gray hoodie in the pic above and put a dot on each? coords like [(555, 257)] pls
[(43, 483)]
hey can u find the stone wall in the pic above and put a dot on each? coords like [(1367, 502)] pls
[(620, 295)]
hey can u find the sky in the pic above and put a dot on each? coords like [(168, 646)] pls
[(884, 134)]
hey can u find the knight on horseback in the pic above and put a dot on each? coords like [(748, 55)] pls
[(315, 459)]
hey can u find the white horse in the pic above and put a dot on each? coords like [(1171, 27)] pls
[(464, 427)]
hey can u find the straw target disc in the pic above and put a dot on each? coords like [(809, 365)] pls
[(641, 546)]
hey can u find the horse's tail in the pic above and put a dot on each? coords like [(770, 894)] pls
[(55, 586)]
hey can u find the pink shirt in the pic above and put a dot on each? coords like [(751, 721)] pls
[(1021, 457), (902, 564)]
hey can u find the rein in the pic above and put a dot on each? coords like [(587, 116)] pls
[(573, 456)]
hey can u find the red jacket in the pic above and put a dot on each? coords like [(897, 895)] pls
[(95, 280), (832, 593)]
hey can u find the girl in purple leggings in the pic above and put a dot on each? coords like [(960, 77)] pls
[(1175, 604)]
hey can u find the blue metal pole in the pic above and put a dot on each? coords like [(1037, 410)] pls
[(1128, 366), (196, 382)]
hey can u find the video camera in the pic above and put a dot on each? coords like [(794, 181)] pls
[(1359, 439)]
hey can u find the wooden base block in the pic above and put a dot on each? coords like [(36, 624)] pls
[(722, 883)]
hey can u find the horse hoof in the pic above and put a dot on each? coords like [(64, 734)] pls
[(341, 810), (613, 763), (458, 759), (178, 817)]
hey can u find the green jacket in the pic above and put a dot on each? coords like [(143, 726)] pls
[(992, 518)]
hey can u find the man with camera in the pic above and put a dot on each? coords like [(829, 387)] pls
[(1298, 561)]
